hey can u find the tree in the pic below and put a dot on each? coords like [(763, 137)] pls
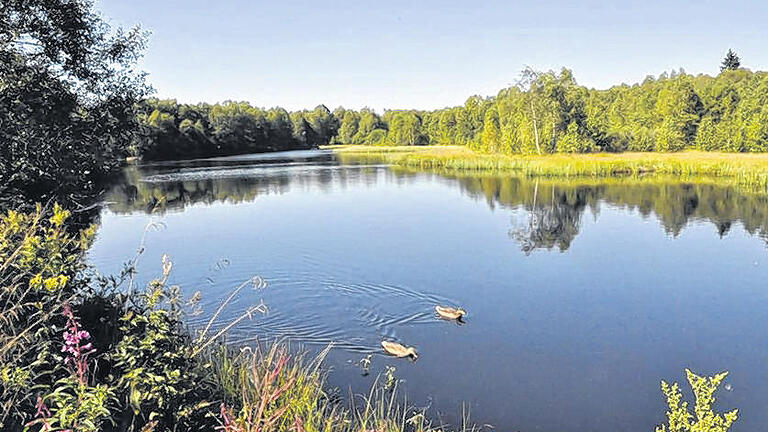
[(350, 123), (404, 128), (730, 62), (305, 136), (529, 84), (491, 135), (369, 122), (68, 91), (679, 109), (281, 129), (323, 123)]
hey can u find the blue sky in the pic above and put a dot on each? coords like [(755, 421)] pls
[(425, 54)]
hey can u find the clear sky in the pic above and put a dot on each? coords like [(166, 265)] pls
[(425, 54)]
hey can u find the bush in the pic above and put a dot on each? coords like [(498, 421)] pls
[(126, 360), (40, 265), (680, 419)]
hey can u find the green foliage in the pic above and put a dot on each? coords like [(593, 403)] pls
[(67, 96), (143, 370), (363, 127), (77, 406), (371, 129), (177, 131), (152, 366), (703, 418), (550, 113), (573, 141), (491, 135), (350, 123), (546, 112), (39, 267), (404, 128)]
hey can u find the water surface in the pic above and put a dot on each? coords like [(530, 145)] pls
[(582, 295)]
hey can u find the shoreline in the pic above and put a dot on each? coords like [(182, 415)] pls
[(747, 170)]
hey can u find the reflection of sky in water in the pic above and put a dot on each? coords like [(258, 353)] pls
[(554, 341)]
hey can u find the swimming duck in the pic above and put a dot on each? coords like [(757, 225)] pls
[(399, 350), (450, 312)]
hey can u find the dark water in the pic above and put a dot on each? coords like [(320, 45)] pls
[(582, 295)]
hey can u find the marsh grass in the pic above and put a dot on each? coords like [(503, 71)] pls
[(747, 170), (276, 388)]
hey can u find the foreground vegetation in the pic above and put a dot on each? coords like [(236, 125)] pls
[(749, 171)]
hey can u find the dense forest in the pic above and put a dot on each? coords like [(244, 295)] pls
[(546, 113)]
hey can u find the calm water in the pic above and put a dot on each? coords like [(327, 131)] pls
[(581, 295)]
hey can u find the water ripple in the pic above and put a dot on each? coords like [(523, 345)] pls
[(353, 316)]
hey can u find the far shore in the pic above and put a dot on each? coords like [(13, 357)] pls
[(749, 170)]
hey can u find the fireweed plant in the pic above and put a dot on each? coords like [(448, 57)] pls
[(78, 406)]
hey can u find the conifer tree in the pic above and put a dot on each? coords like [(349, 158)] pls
[(730, 62)]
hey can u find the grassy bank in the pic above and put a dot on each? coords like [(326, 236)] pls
[(748, 170)]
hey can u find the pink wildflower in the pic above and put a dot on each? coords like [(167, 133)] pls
[(77, 352)]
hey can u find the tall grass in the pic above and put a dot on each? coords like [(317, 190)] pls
[(749, 171), (274, 389)]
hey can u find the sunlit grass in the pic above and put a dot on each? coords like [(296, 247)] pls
[(275, 389), (748, 170)]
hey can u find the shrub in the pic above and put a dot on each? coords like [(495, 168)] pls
[(153, 367), (680, 419), (40, 269)]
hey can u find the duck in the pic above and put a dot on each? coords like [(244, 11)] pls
[(448, 312), (399, 350)]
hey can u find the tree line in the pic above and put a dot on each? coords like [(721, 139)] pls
[(545, 112), (178, 131)]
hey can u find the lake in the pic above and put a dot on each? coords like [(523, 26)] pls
[(581, 295)]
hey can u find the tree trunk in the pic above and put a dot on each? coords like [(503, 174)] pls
[(554, 136), (535, 129)]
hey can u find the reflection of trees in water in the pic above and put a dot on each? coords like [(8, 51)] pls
[(554, 207), (143, 189), (144, 196), (552, 223)]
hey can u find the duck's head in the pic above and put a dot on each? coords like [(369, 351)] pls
[(412, 352), (461, 311)]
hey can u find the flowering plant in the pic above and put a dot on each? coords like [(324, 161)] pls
[(77, 352), (75, 405)]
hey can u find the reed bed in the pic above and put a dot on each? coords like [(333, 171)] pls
[(749, 171), (271, 389)]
